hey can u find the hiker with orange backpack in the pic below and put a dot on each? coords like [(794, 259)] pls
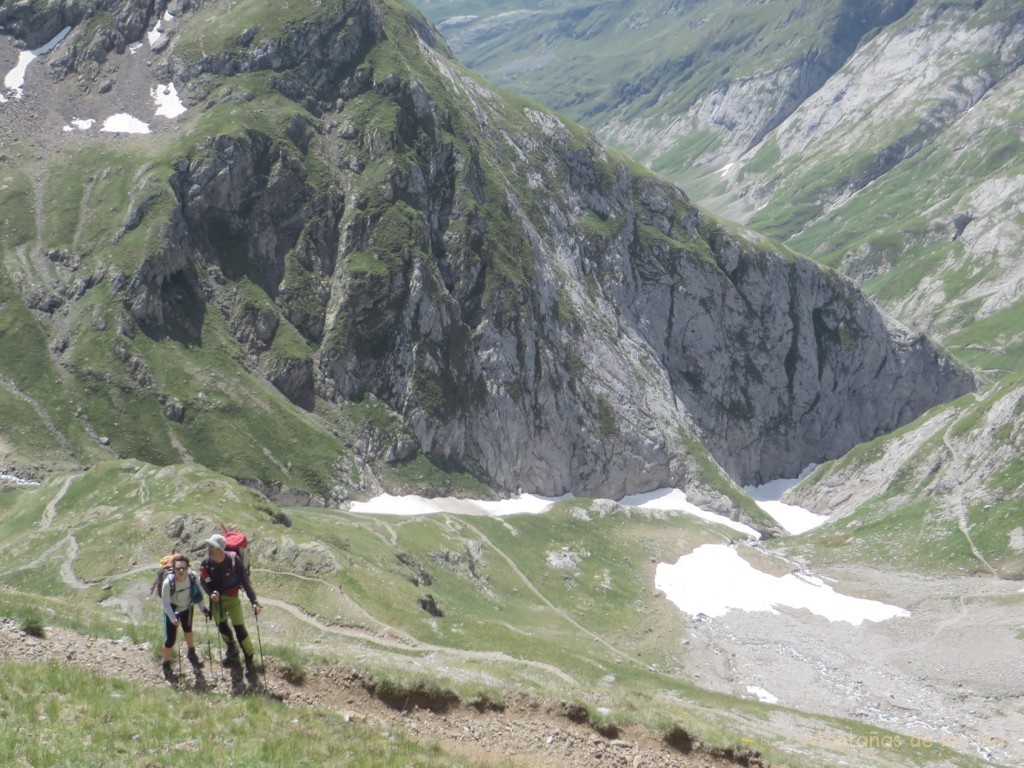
[(222, 575), (180, 591)]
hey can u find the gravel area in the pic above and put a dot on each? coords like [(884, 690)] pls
[(951, 673)]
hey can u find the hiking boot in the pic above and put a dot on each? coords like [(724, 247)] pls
[(250, 666), (193, 657), (231, 656), (168, 672)]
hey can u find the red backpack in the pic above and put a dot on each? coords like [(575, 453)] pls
[(238, 543)]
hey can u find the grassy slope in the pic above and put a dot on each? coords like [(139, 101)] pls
[(59, 715), (353, 576), (914, 516), (233, 418), (234, 421), (635, 62), (899, 228)]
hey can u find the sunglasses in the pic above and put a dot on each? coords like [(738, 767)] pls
[(180, 568)]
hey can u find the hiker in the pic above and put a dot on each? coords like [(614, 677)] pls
[(180, 592), (222, 574)]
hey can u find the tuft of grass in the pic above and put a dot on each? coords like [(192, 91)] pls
[(600, 720), (293, 662), (420, 693), (33, 625)]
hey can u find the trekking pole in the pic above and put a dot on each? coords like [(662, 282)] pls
[(209, 647), (216, 629), (260, 641), (177, 647)]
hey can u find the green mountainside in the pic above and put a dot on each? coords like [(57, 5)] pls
[(879, 138), (348, 265), (558, 605), (944, 492), (345, 264)]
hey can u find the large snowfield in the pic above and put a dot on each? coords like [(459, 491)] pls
[(711, 580)]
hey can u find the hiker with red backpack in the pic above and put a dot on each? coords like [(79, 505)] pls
[(179, 591), (222, 575)]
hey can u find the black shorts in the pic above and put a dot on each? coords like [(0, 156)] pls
[(171, 631)]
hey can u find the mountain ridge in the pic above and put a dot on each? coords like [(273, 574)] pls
[(896, 165), (381, 246)]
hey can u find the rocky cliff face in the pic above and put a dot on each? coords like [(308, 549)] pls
[(875, 137), (375, 225)]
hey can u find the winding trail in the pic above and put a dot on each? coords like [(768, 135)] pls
[(527, 730), (39, 560), (40, 411), (356, 607), (962, 523), (396, 640), (540, 595), (50, 513), (360, 521), (961, 507), (67, 570)]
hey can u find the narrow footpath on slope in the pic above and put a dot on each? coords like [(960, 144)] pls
[(525, 731)]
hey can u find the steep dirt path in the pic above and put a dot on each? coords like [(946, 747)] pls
[(67, 568), (522, 731)]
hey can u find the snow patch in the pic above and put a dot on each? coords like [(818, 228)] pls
[(762, 695), (713, 580), (725, 169), (674, 500), (133, 48), (57, 40), (794, 519), (78, 124), (167, 102), (666, 499), (405, 506), (155, 34), (15, 79), (520, 504), (122, 122)]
